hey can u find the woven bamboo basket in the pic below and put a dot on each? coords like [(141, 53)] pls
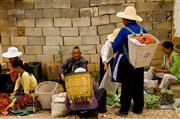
[(45, 91), (79, 87), (141, 55)]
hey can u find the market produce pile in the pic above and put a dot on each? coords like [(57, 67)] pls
[(4, 102), (151, 102), (166, 97), (112, 100), (26, 100)]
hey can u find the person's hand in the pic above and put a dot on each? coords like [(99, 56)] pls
[(62, 77), (13, 94), (157, 70), (160, 70), (105, 65)]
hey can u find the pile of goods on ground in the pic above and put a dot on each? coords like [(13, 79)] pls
[(151, 102), (112, 100), (166, 97), (4, 102)]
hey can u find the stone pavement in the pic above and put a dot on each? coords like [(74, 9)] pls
[(147, 114)]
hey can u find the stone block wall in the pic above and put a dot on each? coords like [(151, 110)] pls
[(51, 26)]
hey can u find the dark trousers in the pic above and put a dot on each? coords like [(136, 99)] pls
[(6, 84), (132, 87), (102, 71), (101, 98)]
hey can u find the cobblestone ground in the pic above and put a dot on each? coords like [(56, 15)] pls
[(147, 114)]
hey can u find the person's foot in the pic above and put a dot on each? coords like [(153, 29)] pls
[(102, 111), (137, 112), (122, 114)]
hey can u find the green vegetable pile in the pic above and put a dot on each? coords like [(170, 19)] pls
[(112, 100), (178, 105), (166, 97), (151, 102), (96, 75)]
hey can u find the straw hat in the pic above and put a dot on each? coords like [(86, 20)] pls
[(113, 35), (129, 13), (11, 53)]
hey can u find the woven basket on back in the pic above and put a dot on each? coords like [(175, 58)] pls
[(79, 87), (141, 55)]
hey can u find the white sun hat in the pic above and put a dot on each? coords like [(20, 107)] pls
[(80, 69), (11, 53), (129, 13), (113, 35)]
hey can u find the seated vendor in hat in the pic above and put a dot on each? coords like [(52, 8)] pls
[(25, 82), (71, 64), (12, 54)]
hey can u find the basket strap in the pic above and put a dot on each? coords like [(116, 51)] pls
[(125, 51), (141, 30), (132, 32)]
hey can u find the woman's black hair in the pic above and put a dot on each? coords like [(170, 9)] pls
[(19, 62), (168, 45)]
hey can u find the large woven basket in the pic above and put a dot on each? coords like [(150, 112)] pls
[(45, 91), (141, 55), (79, 87)]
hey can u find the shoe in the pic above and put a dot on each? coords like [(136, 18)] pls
[(137, 112), (102, 111), (122, 114)]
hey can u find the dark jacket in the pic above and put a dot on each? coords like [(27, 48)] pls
[(70, 65)]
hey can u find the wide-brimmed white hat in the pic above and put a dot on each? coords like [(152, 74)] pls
[(129, 13), (113, 35), (80, 69), (11, 53)]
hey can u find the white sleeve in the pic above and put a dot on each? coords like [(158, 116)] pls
[(105, 52)]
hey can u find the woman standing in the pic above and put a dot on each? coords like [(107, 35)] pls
[(132, 79)]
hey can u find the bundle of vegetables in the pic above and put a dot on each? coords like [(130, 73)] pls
[(25, 101), (4, 102), (112, 99), (166, 97), (151, 102), (145, 39), (178, 105)]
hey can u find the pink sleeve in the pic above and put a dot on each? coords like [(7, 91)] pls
[(13, 74)]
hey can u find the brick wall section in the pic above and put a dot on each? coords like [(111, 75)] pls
[(54, 25)]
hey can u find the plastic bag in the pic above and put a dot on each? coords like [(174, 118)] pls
[(107, 83), (150, 86), (58, 107)]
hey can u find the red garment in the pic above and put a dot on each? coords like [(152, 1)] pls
[(4, 101), (13, 74)]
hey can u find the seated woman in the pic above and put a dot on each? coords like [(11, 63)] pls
[(12, 54), (170, 69), (25, 80)]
